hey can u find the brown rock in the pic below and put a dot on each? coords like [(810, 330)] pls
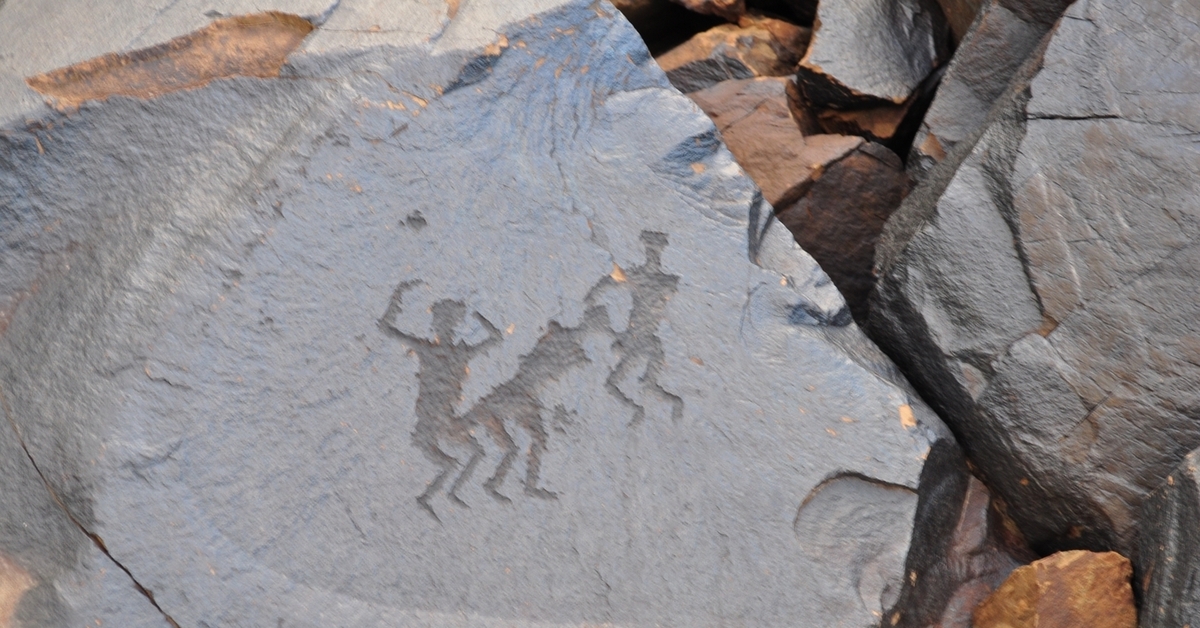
[(759, 129), (14, 582), (967, 547), (246, 45), (839, 216), (728, 9), (663, 24), (1064, 590), (755, 46), (959, 14), (879, 124)]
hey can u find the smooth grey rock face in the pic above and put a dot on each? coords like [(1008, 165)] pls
[(1000, 40), (871, 50), (1169, 550), (422, 336), (1041, 296)]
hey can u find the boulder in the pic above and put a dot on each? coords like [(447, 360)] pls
[(1035, 288), (473, 322), (871, 52), (833, 192), (1065, 590), (756, 46), (968, 547), (1003, 38), (1168, 560), (728, 9)]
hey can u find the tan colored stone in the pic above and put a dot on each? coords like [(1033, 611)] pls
[(755, 46), (1065, 590), (728, 9), (757, 126), (959, 14), (14, 582)]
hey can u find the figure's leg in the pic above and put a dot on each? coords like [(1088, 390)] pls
[(496, 427), (533, 466), (448, 463), (620, 372), (476, 455)]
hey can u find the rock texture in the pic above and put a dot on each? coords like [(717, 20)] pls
[(1168, 561), (1036, 291), (841, 214), (1006, 34), (756, 46), (465, 320), (728, 9), (833, 192), (960, 14), (870, 52), (1065, 590), (966, 548)]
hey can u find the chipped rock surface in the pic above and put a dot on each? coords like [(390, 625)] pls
[(1064, 590), (1038, 292), (469, 323), (756, 46), (1168, 559), (1005, 35), (867, 51)]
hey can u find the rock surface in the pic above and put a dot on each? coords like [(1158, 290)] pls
[(868, 52), (839, 217), (1036, 292), (1168, 561), (967, 548), (756, 46), (959, 15), (1007, 33), (470, 322), (728, 9), (1064, 590)]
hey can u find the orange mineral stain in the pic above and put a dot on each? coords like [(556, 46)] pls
[(246, 45), (14, 582)]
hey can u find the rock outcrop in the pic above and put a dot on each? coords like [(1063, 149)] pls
[(871, 52), (467, 319), (833, 192), (1035, 288), (756, 46), (1064, 590), (1169, 550), (1005, 35)]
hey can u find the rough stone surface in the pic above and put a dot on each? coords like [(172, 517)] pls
[(728, 9), (756, 124), (1064, 590), (960, 14), (841, 212), (1168, 561), (756, 46), (473, 322), (967, 547), (866, 51), (1037, 290), (1005, 35)]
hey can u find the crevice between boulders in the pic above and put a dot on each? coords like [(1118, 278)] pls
[(95, 538)]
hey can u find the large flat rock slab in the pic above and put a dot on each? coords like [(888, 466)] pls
[(448, 333), (1039, 288)]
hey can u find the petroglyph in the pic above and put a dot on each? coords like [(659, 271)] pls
[(516, 404)]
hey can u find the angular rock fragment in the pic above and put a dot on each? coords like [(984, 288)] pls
[(1065, 590), (998, 44), (381, 343), (833, 192), (840, 215), (959, 15), (1168, 558), (1035, 291), (871, 52), (728, 9), (756, 46), (967, 548)]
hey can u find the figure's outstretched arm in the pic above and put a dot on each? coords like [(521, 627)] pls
[(494, 334), (393, 309)]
